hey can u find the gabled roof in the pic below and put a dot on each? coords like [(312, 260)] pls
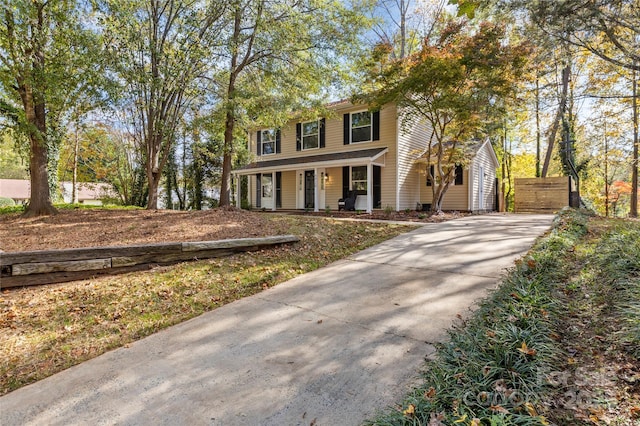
[(472, 148), (322, 160)]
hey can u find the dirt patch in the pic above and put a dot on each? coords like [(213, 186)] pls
[(95, 228)]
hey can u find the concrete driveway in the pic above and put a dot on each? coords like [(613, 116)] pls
[(330, 347)]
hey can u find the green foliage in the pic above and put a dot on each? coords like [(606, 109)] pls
[(48, 64), (466, 7), (6, 202), (459, 85), (13, 161)]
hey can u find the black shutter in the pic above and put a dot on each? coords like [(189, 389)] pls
[(322, 132), (377, 187), (459, 171), (347, 129), (278, 141), (430, 169), (258, 190), (299, 137), (345, 181), (278, 189), (259, 143), (376, 125)]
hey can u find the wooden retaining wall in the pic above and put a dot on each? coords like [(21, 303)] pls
[(541, 195), (55, 266)]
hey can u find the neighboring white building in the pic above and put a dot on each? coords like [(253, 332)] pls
[(19, 190)]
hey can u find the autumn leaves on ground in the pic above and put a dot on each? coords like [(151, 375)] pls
[(48, 328), (558, 342)]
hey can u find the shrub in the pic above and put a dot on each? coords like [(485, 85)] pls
[(6, 202)]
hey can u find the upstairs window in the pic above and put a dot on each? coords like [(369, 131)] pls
[(310, 135), (268, 141), (361, 125)]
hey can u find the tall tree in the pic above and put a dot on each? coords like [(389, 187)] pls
[(160, 51), (610, 29), (280, 56), (458, 86), (43, 48)]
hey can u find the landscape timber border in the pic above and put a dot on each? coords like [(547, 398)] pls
[(26, 268)]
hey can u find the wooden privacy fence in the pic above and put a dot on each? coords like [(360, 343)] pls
[(56, 266), (543, 195)]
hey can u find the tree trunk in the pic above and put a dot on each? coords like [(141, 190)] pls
[(537, 126), (566, 72), (74, 188), (634, 170), (35, 114), (154, 183), (40, 198), (225, 185)]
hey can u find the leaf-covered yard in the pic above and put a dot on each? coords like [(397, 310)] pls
[(49, 328)]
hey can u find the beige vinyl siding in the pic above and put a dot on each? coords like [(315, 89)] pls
[(288, 190), (456, 197), (334, 134), (484, 159), (412, 142), (333, 187)]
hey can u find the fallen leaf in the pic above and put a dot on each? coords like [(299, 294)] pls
[(430, 393), (526, 350), (530, 409), (410, 411), (499, 409), (475, 422)]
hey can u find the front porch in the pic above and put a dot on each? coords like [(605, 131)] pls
[(313, 183)]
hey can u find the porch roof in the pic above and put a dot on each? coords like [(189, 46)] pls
[(323, 160)]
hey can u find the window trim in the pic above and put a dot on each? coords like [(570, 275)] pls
[(263, 142), (264, 184), (351, 128), (352, 181), (302, 135)]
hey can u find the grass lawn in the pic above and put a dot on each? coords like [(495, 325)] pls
[(557, 343), (46, 329)]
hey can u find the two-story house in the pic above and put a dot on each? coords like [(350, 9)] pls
[(312, 164)]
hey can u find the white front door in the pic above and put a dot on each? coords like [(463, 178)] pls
[(267, 191)]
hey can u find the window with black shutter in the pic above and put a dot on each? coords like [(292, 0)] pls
[(430, 169), (361, 126), (459, 175)]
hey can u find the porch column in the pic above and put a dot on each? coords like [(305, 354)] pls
[(316, 191), (274, 191), (369, 188)]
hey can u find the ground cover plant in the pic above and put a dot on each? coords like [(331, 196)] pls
[(46, 329), (556, 343)]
